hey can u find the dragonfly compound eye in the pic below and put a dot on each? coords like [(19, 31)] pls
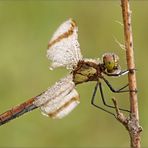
[(110, 61)]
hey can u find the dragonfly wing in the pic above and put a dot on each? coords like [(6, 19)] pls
[(62, 105), (60, 99), (64, 48)]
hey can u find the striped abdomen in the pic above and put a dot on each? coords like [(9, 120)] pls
[(17, 111)]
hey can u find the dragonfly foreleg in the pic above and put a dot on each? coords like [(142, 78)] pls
[(121, 73)]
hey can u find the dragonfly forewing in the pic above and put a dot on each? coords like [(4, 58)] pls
[(63, 48)]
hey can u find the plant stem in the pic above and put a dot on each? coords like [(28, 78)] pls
[(134, 129)]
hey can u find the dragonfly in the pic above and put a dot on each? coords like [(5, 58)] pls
[(61, 98)]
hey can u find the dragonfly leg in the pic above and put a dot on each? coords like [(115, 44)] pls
[(97, 106), (121, 73), (104, 102), (120, 90)]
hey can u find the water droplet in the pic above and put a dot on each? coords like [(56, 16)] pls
[(50, 68)]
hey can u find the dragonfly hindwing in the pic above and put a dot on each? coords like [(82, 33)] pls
[(60, 99)]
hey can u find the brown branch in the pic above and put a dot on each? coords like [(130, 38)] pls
[(131, 123), (126, 13), (134, 129)]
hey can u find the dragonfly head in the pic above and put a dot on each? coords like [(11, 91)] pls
[(111, 63)]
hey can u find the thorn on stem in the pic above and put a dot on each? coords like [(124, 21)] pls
[(140, 129), (116, 106), (120, 116)]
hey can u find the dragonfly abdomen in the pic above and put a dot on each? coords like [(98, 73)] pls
[(17, 111)]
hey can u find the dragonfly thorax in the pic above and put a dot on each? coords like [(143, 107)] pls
[(86, 71)]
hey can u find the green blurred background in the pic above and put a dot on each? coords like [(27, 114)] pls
[(25, 29)]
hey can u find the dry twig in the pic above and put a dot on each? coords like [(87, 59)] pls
[(131, 123)]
